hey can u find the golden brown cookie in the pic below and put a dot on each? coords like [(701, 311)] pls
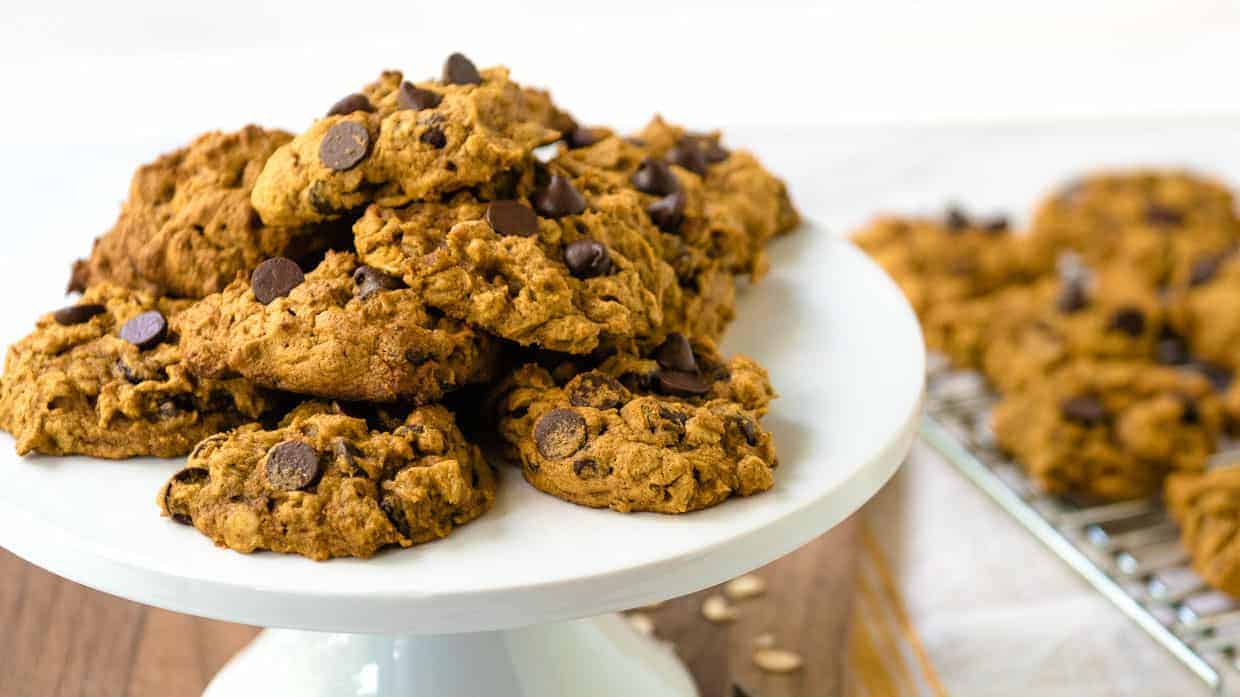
[(1110, 430), (558, 270), (1206, 505), (1154, 222), (400, 141), (674, 433), (1205, 309), (106, 378), (187, 228), (325, 484), (342, 331)]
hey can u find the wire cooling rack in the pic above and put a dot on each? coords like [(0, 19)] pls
[(1129, 551)]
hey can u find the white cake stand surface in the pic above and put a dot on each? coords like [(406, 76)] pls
[(495, 608)]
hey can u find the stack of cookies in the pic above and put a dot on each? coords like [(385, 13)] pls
[(1111, 330), (303, 315)]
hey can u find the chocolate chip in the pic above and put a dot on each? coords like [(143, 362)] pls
[(655, 177), (370, 280), (560, 433), (512, 218), (749, 429), (675, 353), (434, 137), (1203, 270), (668, 212), (997, 224), (1218, 376), (275, 278), (129, 375), (1189, 413), (77, 314), (188, 476), (1072, 297), (320, 199), (1171, 350), (1087, 410), (581, 137), (712, 151), (410, 96), (79, 277), (587, 258), (292, 465), (1129, 320), (559, 198), (350, 104), (956, 219), (345, 145), (596, 390), (587, 468), (1161, 215), (687, 155), (146, 330), (395, 513), (459, 70), (680, 384), (343, 453)]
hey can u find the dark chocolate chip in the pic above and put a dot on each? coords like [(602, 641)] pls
[(320, 201), (186, 476), (581, 137), (655, 177), (512, 218), (1171, 350), (370, 280), (344, 455), (1086, 410), (587, 468), (559, 198), (1129, 320), (1161, 215), (997, 224), (687, 155), (1218, 376), (410, 96), (749, 429), (668, 212), (675, 353), (956, 219), (1203, 270), (350, 104), (560, 433), (587, 258), (680, 384), (125, 372), (596, 390), (77, 314), (1189, 414), (459, 70), (1072, 297), (396, 514), (434, 137), (79, 277), (712, 151), (292, 465), (275, 278), (345, 145), (146, 330)]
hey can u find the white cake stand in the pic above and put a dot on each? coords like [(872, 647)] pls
[(494, 609)]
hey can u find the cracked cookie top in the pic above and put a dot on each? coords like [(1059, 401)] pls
[(325, 484), (398, 141), (107, 378), (342, 331)]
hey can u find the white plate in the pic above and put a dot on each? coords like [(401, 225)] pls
[(843, 349)]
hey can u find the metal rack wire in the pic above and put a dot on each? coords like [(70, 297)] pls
[(1128, 551)]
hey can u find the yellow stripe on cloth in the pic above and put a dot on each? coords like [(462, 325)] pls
[(885, 656)]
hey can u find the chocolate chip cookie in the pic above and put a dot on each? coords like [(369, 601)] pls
[(106, 377), (187, 228), (342, 331), (556, 270), (675, 432), (1205, 309), (1206, 505), (1110, 430), (399, 141), (1156, 223), (325, 484)]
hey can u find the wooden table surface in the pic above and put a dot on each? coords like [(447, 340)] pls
[(59, 639)]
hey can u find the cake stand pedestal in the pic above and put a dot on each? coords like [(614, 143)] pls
[(497, 607)]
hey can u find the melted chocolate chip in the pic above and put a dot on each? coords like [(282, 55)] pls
[(596, 390), (687, 155), (350, 104), (345, 145), (587, 258), (370, 280), (1129, 320), (1086, 410), (512, 218), (675, 353), (390, 505), (655, 177), (581, 137), (410, 96), (749, 429), (1163, 216), (459, 70), (77, 314), (560, 433), (146, 330), (275, 278), (434, 137), (680, 384), (559, 198), (668, 212), (587, 468), (292, 465)]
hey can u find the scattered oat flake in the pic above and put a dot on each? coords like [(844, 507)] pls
[(766, 640), (745, 587), (777, 660), (716, 609), (642, 623)]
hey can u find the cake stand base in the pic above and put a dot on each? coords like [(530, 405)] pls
[(601, 657)]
